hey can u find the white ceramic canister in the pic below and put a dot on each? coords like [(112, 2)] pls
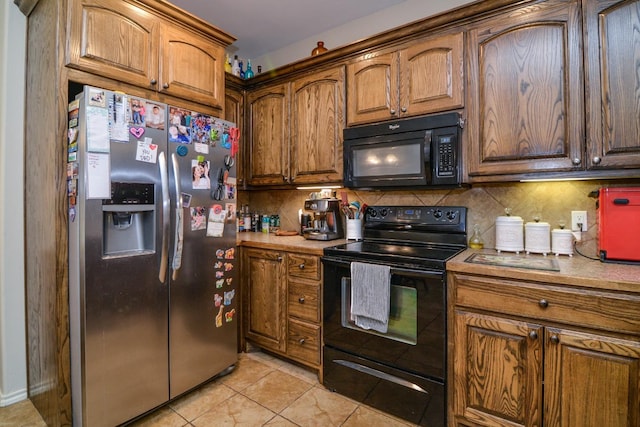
[(509, 234), (562, 242), (537, 238)]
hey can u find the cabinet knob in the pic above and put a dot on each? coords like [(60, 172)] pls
[(393, 112), (576, 161), (543, 303), (301, 300), (153, 81), (555, 339), (403, 109), (166, 85), (301, 341), (533, 335), (279, 259), (301, 266), (596, 160)]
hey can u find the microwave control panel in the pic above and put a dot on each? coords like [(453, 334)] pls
[(446, 157)]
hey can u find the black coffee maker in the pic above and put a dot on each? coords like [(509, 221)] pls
[(323, 220)]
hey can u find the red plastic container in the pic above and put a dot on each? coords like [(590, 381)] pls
[(619, 224)]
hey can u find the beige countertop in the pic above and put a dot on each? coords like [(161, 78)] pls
[(575, 271), (284, 243)]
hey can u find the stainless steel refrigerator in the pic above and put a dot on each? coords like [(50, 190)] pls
[(152, 252)]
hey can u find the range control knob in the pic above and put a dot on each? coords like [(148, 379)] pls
[(437, 214), (452, 215), (372, 212), (384, 212)]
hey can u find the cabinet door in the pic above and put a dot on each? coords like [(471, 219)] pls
[(265, 320), (317, 121), (525, 91), (591, 380), (372, 89), (233, 112), (613, 87), (191, 67), (268, 140), (431, 75), (497, 370), (114, 39)]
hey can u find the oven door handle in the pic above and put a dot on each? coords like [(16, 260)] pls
[(394, 270)]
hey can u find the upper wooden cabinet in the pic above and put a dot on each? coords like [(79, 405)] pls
[(525, 91), (125, 42), (424, 77), (295, 131), (613, 89)]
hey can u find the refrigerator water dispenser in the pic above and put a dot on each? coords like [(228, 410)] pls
[(129, 220)]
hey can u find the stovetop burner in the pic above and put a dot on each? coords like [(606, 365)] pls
[(410, 236)]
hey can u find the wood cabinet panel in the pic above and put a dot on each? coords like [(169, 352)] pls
[(265, 292), (525, 91), (304, 301), (499, 382), (424, 77), (613, 89), (515, 365), (317, 121), (129, 53), (191, 67), (304, 266), (130, 43), (578, 307), (583, 367), (304, 342), (234, 112), (268, 141)]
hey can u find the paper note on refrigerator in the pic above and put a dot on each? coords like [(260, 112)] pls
[(97, 129), (98, 181)]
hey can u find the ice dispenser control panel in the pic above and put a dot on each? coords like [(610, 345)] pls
[(129, 220)]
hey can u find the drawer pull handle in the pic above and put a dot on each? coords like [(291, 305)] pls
[(533, 335), (301, 266), (555, 339), (543, 303), (301, 300), (301, 341)]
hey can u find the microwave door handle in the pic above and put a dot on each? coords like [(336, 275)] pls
[(428, 138)]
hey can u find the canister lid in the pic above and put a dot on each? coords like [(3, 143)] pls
[(538, 225), (509, 219)]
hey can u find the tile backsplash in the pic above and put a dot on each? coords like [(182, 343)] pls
[(552, 202)]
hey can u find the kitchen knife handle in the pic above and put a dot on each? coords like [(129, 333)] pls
[(164, 181), (178, 241)]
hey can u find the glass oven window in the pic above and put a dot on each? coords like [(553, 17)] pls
[(389, 160), (403, 313)]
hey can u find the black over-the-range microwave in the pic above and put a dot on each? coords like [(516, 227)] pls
[(421, 152)]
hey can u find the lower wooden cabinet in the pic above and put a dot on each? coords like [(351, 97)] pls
[(282, 310), (540, 360)]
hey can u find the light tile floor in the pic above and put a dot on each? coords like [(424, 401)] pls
[(262, 391)]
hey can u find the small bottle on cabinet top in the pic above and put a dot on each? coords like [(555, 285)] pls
[(318, 49), (476, 241)]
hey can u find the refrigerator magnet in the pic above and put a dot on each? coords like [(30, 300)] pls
[(219, 283), (198, 218), (146, 151), (217, 300), (219, 317), (228, 316), (228, 296)]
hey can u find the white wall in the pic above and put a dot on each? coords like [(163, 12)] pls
[(386, 19), (13, 365)]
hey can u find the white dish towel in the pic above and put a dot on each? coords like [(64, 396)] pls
[(370, 295)]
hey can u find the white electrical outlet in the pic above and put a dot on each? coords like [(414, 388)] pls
[(578, 217)]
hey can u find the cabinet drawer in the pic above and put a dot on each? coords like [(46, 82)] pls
[(582, 307), (304, 342), (303, 301), (305, 266)]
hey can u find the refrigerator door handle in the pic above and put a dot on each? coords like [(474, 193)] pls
[(164, 180), (177, 248)]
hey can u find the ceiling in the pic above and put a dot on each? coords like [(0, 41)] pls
[(262, 26)]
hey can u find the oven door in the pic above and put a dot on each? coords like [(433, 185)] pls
[(416, 338), (402, 371)]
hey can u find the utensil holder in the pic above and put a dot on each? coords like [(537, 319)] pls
[(354, 229)]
